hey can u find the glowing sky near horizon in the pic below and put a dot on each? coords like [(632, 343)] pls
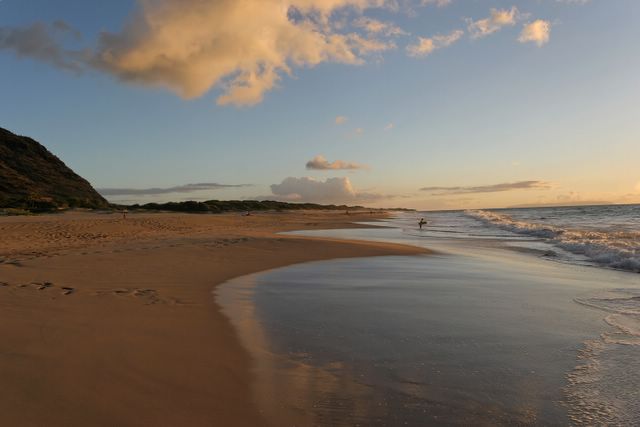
[(428, 104)]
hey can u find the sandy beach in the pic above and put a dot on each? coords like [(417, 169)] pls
[(111, 321), (444, 205)]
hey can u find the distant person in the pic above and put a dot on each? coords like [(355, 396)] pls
[(422, 222), (124, 214), (248, 213)]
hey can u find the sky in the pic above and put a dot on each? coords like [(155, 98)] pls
[(425, 104)]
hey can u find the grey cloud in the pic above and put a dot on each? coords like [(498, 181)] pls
[(188, 188), (64, 27), (494, 188), (320, 163), (41, 41)]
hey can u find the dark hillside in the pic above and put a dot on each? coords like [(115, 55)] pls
[(34, 179)]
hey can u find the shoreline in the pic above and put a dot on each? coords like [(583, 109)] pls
[(110, 321), (484, 335)]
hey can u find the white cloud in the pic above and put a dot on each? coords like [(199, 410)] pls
[(332, 190), (340, 120), (320, 163), (367, 45), (498, 19), (242, 47), (425, 46), (373, 26), (537, 32), (309, 189), (192, 46)]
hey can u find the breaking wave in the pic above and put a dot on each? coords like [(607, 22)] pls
[(619, 249)]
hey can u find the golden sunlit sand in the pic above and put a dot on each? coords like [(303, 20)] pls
[(111, 321)]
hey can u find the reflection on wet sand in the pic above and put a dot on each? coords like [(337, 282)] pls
[(297, 388), (288, 390)]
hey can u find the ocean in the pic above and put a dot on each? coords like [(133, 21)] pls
[(605, 236), (521, 317)]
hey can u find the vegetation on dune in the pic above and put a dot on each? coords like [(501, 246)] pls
[(220, 206)]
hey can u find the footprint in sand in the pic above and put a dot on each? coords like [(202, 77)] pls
[(13, 262), (149, 296), (42, 286)]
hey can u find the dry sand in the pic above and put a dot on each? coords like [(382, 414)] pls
[(107, 321)]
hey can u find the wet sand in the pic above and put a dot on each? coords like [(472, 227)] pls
[(106, 321), (477, 334)]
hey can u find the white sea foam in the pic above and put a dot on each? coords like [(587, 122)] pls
[(624, 308), (603, 388), (614, 248)]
